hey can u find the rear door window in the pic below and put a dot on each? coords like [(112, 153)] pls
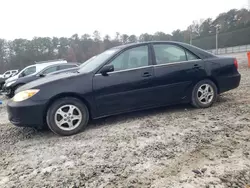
[(29, 71), (168, 53)]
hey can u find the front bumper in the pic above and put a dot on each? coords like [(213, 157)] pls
[(27, 113), (6, 90)]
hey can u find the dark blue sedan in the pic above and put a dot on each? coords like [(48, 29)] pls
[(124, 79)]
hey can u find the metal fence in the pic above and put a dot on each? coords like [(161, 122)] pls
[(230, 50)]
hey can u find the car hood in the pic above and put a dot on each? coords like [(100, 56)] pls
[(13, 78), (46, 80), (64, 71)]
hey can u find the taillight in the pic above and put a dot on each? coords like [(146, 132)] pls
[(236, 64)]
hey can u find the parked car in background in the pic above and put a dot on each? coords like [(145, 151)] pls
[(31, 70), (8, 74), (5, 76), (124, 79), (2, 81), (74, 69)]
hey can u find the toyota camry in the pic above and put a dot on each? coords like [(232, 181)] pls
[(124, 79)]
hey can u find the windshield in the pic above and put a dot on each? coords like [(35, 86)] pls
[(96, 61), (85, 62)]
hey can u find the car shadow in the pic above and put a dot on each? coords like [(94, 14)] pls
[(122, 118), (224, 98)]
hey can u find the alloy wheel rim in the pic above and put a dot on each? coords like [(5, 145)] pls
[(68, 117), (205, 94)]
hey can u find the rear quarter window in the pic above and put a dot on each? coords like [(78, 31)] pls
[(191, 56), (50, 70)]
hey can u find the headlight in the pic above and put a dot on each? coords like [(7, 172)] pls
[(24, 95), (8, 84)]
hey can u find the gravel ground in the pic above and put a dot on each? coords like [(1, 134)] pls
[(175, 146)]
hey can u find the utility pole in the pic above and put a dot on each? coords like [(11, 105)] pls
[(191, 36), (191, 39), (217, 33), (248, 5)]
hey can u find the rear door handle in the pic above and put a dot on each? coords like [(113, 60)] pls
[(146, 74)]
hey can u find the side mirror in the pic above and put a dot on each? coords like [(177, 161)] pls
[(106, 69), (41, 75)]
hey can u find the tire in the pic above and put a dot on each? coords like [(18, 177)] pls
[(67, 128), (199, 92), (1, 85)]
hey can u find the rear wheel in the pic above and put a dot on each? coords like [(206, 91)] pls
[(67, 116), (204, 94)]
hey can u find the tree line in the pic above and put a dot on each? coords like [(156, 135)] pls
[(234, 29)]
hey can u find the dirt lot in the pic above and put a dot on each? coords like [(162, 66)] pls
[(168, 147)]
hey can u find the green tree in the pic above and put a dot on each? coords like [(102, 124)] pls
[(124, 38), (132, 38), (234, 30), (161, 36), (145, 37)]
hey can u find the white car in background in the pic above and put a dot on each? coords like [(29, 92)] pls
[(32, 70), (8, 73)]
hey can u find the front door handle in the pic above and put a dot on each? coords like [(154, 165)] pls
[(197, 66), (146, 74)]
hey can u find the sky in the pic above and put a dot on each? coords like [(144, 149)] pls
[(63, 18)]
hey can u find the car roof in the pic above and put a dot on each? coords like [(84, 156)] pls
[(57, 64), (48, 64), (147, 42), (41, 66)]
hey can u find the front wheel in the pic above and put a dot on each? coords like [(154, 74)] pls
[(204, 94), (67, 116)]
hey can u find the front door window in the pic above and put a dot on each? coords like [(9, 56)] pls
[(131, 58), (28, 71)]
